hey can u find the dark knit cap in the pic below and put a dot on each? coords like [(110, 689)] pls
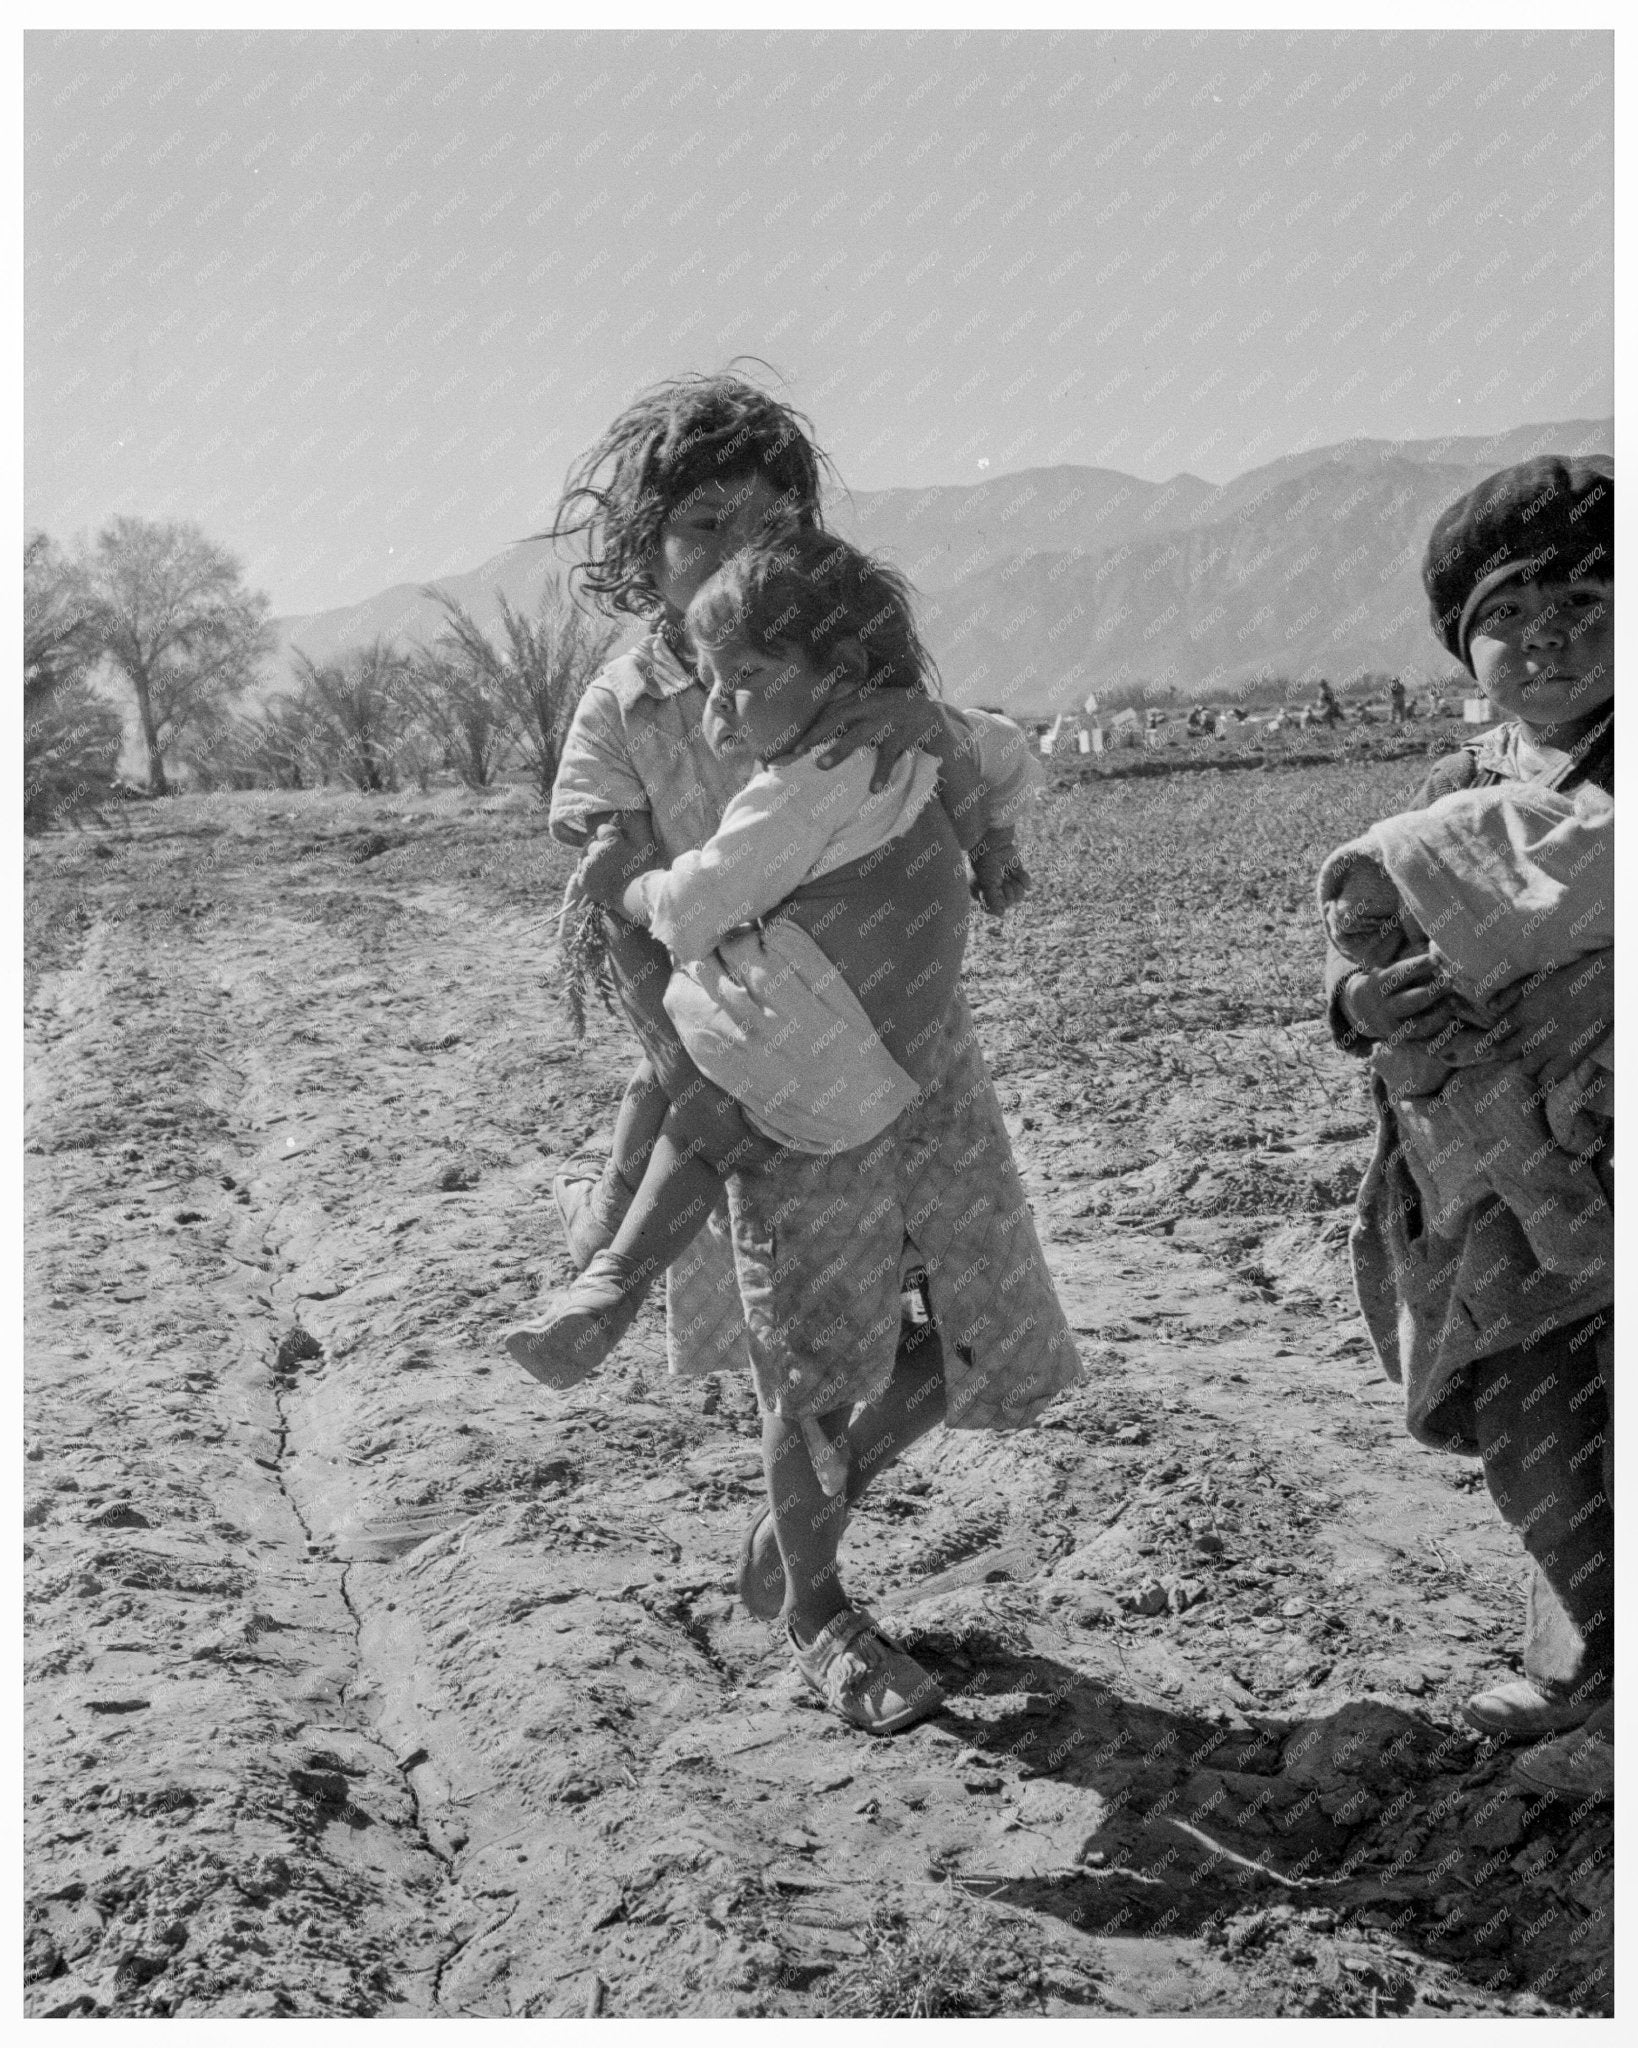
[(1551, 516)]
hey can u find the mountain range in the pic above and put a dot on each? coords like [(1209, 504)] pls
[(1042, 586)]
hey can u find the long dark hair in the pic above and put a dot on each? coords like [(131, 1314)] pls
[(671, 439)]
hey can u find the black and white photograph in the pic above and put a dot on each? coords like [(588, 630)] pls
[(818, 1021)]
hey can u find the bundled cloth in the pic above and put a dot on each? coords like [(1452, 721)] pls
[(1501, 885)]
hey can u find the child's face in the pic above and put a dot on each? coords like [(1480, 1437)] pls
[(713, 523), (1545, 652), (761, 702)]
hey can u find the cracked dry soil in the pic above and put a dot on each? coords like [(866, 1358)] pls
[(299, 1076)]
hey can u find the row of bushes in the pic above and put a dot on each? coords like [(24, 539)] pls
[(158, 609), (380, 717)]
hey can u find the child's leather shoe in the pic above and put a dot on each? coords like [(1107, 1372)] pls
[(581, 1325)]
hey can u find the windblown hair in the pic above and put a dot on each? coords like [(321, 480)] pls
[(806, 591), (669, 441)]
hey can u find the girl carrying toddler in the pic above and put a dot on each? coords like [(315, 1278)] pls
[(822, 1053), (811, 1293), (1470, 961)]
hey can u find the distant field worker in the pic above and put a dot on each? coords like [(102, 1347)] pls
[(1396, 701), (1501, 1352)]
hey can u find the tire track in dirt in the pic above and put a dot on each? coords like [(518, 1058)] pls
[(1202, 1632)]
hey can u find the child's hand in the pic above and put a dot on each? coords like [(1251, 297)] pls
[(1406, 1003), (894, 722), (619, 852), (1569, 1012), (1000, 878), (1581, 1106)]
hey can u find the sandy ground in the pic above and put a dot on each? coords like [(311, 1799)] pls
[(299, 1078)]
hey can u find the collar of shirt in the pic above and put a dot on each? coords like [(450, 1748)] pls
[(664, 674), (1511, 752)]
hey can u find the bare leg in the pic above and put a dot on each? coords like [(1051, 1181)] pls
[(807, 1525), (715, 1122), (640, 968), (592, 1211), (879, 1432), (642, 1112), (863, 1676), (680, 1188), (704, 1136), (907, 1408)]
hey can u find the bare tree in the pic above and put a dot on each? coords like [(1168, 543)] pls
[(172, 614), (358, 711), (534, 677), (71, 735)]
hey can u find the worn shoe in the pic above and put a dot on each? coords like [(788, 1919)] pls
[(863, 1677), (591, 1212), (581, 1326), (1577, 1766), (762, 1569), (1518, 1709)]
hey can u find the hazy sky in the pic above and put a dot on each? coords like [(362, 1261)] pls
[(354, 301)]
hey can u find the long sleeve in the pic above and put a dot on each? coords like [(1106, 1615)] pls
[(1006, 762), (769, 840)]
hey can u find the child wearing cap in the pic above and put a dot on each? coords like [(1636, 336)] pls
[(1499, 1354)]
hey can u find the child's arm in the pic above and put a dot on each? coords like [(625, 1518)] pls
[(1009, 777), (988, 775), (899, 722), (892, 722), (620, 848), (770, 836)]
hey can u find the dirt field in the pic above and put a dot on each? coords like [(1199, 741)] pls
[(300, 1076)]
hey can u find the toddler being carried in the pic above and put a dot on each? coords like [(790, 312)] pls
[(816, 938), (1502, 884)]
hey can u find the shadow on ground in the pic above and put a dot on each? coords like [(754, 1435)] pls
[(1133, 1820)]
